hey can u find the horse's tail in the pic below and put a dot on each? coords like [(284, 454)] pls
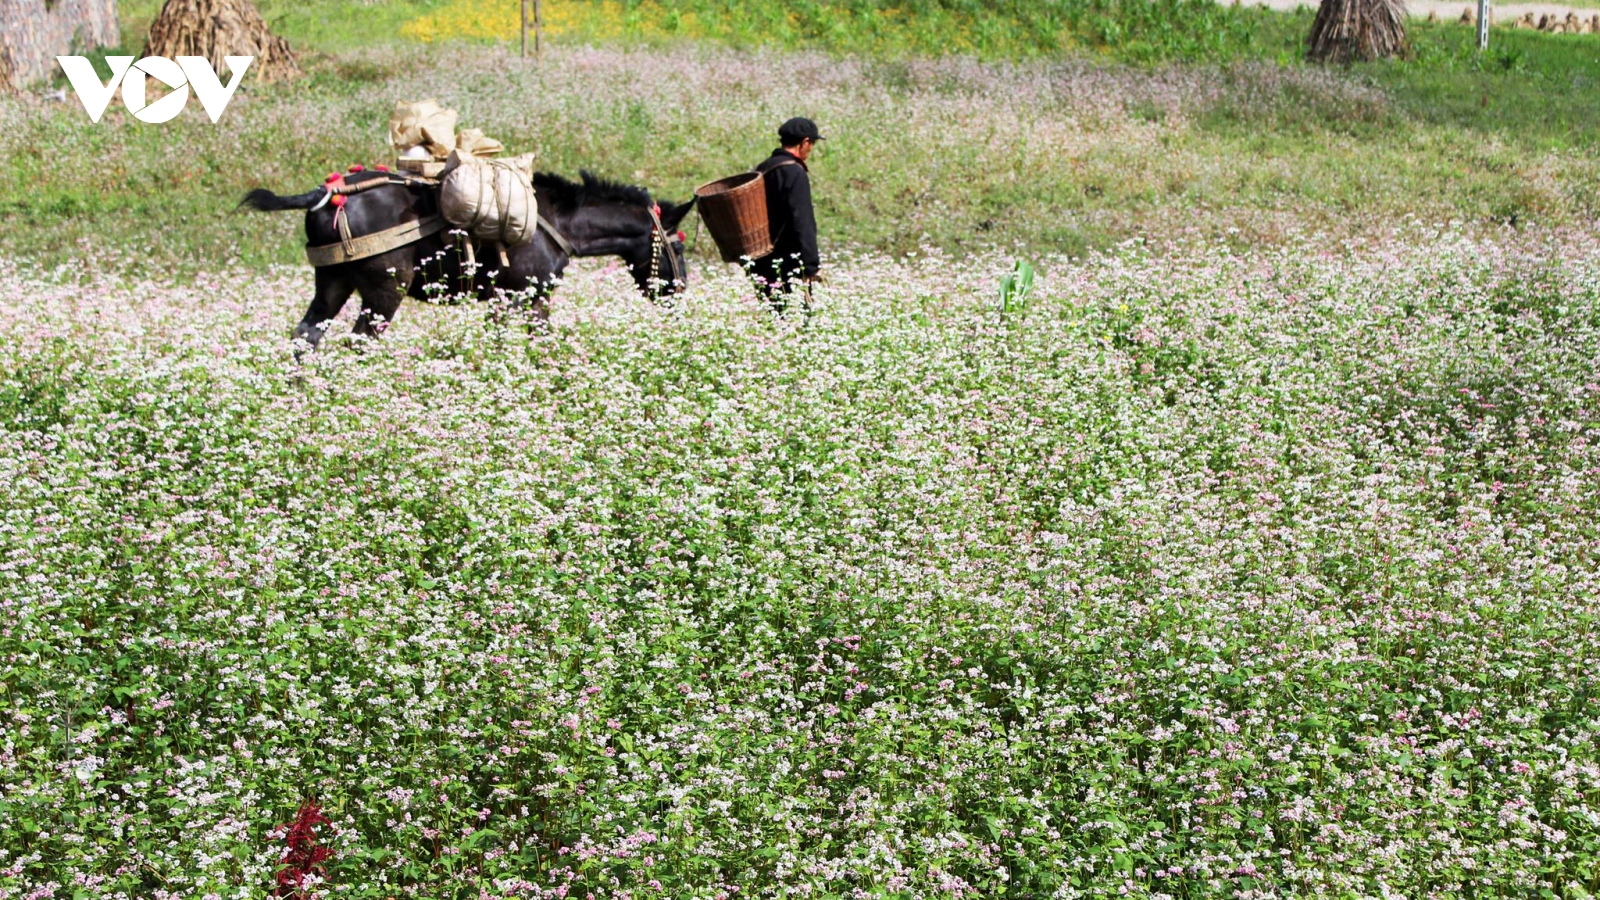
[(267, 201)]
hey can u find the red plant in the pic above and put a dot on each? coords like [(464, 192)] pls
[(302, 858)]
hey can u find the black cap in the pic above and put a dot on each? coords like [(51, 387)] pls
[(798, 129)]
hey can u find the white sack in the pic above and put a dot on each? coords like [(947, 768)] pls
[(492, 199)]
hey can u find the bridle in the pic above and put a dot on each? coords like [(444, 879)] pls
[(658, 241)]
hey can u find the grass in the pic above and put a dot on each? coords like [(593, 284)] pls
[(1258, 146), (1529, 87), (318, 26), (1163, 29)]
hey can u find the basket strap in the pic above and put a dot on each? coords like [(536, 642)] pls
[(786, 161)]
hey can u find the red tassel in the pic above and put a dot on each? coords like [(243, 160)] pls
[(381, 168), (358, 167)]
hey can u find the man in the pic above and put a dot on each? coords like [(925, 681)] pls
[(793, 261)]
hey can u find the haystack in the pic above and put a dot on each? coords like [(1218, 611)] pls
[(219, 28), (1350, 30)]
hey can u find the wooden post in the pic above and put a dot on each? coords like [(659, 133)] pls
[(524, 29), (538, 28), (1483, 24)]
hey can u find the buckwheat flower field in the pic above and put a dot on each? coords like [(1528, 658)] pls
[(1205, 573)]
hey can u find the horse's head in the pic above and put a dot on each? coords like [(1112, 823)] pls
[(665, 271), (607, 218)]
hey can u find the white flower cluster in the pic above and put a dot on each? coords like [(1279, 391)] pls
[(1207, 573)]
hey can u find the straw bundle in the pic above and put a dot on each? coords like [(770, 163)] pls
[(218, 28), (1351, 30)]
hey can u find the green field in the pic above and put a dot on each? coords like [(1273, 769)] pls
[(1252, 554), (1059, 153)]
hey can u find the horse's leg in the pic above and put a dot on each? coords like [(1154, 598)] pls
[(533, 273), (332, 290), (435, 270), (383, 283), (539, 309), (531, 302)]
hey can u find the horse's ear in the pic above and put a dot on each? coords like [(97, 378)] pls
[(673, 214)]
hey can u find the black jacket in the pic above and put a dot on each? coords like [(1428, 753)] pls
[(789, 212)]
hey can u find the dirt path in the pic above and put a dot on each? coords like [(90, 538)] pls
[(1450, 11)]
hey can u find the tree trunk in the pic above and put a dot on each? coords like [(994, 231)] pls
[(218, 28), (1354, 30), (34, 32)]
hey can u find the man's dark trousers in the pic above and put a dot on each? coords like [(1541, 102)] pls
[(793, 225)]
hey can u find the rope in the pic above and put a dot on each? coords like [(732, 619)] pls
[(694, 239), (502, 202), (352, 248)]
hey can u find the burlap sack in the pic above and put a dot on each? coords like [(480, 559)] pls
[(492, 199), (423, 123)]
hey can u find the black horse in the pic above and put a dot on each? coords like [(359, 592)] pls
[(594, 217)]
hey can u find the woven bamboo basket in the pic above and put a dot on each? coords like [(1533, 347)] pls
[(735, 213)]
